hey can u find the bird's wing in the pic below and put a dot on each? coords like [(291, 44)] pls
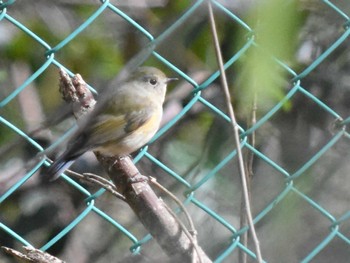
[(113, 128)]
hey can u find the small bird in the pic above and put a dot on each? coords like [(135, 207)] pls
[(122, 123)]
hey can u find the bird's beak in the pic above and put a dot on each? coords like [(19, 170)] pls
[(170, 80)]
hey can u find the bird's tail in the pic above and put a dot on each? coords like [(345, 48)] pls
[(58, 167)]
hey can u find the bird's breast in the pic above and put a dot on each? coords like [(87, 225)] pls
[(134, 139)]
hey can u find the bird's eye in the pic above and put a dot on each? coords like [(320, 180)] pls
[(153, 81)]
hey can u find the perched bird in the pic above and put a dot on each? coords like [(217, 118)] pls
[(121, 123)]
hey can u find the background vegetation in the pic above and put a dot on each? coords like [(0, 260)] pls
[(295, 32)]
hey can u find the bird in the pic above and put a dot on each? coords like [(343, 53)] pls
[(123, 122)]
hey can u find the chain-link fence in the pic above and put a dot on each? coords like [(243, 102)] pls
[(297, 144)]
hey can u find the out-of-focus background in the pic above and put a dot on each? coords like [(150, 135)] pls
[(287, 61)]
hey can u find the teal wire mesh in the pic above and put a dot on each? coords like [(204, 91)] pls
[(299, 198)]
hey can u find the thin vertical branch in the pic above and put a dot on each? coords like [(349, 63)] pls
[(249, 157), (235, 132)]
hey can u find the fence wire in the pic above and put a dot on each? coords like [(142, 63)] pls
[(288, 193)]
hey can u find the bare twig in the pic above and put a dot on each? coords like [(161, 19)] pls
[(249, 157), (32, 255), (99, 181), (235, 131), (191, 236), (74, 91), (192, 233), (95, 180)]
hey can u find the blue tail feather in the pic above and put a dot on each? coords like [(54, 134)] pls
[(57, 168)]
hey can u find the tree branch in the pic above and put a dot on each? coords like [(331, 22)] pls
[(235, 129)]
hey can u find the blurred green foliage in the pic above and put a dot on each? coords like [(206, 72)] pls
[(276, 27)]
